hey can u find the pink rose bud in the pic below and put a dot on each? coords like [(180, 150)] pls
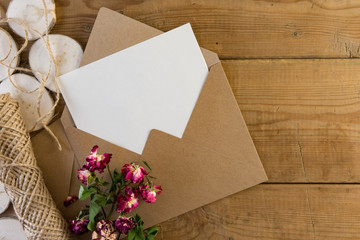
[(69, 200), (105, 230), (78, 226), (128, 202), (97, 162), (124, 225), (149, 194), (133, 172), (83, 175)]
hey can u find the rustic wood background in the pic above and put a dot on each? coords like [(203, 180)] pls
[(293, 69)]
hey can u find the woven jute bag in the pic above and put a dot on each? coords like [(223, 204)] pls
[(23, 179)]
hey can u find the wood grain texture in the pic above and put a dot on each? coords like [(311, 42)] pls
[(237, 29), (303, 116), (233, 28), (274, 211)]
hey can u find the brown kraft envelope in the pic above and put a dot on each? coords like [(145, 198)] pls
[(214, 159)]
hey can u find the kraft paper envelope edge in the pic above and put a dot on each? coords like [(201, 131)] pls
[(108, 22), (231, 134)]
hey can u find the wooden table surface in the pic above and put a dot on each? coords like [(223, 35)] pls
[(293, 69)]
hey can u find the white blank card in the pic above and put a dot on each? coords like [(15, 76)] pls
[(152, 85)]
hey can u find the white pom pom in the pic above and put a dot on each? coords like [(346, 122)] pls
[(11, 229), (4, 199), (31, 14), (6, 41), (28, 101), (67, 53)]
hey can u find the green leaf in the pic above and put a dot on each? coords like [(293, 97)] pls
[(96, 204), (112, 189), (137, 218), (147, 165), (85, 196), (81, 190), (131, 234), (90, 179), (136, 234), (100, 200), (109, 198), (99, 181), (152, 177), (84, 192), (92, 188), (151, 233), (83, 213), (91, 226), (94, 210), (118, 177), (138, 221)]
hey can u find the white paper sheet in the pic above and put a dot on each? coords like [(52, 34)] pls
[(152, 85)]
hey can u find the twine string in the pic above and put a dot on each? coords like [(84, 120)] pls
[(23, 180)]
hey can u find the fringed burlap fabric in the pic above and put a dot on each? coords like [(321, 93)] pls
[(23, 179)]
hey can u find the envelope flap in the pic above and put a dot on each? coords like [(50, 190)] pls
[(114, 32), (217, 122), (82, 142), (192, 175)]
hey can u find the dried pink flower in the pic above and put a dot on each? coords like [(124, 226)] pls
[(97, 162), (78, 226), (83, 175), (69, 200), (133, 172), (149, 194), (105, 230), (124, 225), (127, 202)]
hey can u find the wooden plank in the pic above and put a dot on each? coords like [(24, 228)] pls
[(236, 29), (303, 116), (274, 211)]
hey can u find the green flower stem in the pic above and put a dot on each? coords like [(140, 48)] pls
[(103, 210), (112, 184), (126, 184), (99, 188), (112, 179), (150, 182), (115, 196), (111, 211), (113, 206)]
